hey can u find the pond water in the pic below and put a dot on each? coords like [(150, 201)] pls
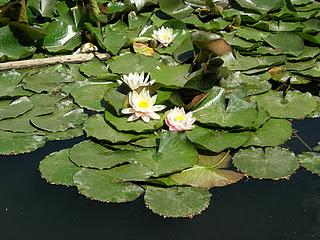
[(283, 210)]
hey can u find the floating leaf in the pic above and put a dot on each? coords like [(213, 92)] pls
[(131, 172), (92, 155), (61, 37), (311, 161), (115, 100), (10, 84), (46, 81), (111, 38), (127, 63), (206, 177), (102, 186), (246, 63), (15, 143), (176, 9), (294, 105), (288, 43), (10, 48), (90, 95), (16, 108), (213, 110), (268, 163), (261, 6), (171, 76), (274, 132), (177, 201), (122, 124), (64, 135), (94, 68), (97, 127), (144, 49), (175, 153), (56, 168), (217, 141), (64, 117), (249, 85), (46, 8)]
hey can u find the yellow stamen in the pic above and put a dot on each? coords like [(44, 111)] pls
[(144, 103), (180, 118)]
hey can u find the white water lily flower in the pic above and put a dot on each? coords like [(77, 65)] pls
[(178, 120), (142, 106), (164, 35), (136, 80), (138, 3)]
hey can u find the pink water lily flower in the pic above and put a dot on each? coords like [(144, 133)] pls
[(177, 120), (142, 106)]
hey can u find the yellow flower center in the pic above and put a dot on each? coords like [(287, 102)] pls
[(180, 117), (166, 35), (144, 103)]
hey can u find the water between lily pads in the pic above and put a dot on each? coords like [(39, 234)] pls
[(260, 210)]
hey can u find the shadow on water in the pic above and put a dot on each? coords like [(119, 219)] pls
[(283, 210)]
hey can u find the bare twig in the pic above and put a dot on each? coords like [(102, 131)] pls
[(31, 63)]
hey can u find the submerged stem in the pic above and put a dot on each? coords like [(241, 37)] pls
[(302, 141)]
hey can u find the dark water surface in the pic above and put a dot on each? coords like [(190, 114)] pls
[(260, 210)]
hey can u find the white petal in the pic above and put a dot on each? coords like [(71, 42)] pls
[(145, 118), (133, 117), (127, 111), (157, 108), (154, 115)]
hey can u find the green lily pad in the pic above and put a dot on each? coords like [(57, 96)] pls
[(269, 163), (122, 124), (94, 68), (217, 141), (97, 127), (214, 110), (102, 186), (313, 72), (278, 26), (242, 63), (250, 34), (174, 153), (131, 172), (92, 155), (129, 62), (110, 38), (249, 85), (261, 6), (61, 37), (177, 201), (295, 105), (16, 108), (65, 135), (274, 132), (311, 161), (56, 168), (47, 81), (206, 177), (10, 48), (287, 43), (45, 8), (115, 100), (176, 9), (15, 143), (171, 76), (90, 94), (10, 84), (64, 117)]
